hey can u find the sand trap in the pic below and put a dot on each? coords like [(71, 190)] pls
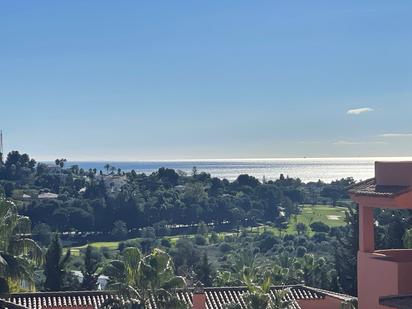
[(333, 217)]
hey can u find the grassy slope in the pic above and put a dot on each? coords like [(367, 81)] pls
[(321, 213), (309, 214)]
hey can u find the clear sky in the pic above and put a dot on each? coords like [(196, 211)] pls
[(171, 79)]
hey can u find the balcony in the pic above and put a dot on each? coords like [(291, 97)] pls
[(384, 273)]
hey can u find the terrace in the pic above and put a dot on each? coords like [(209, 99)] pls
[(382, 273)]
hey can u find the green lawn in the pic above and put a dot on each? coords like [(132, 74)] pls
[(111, 245), (332, 216)]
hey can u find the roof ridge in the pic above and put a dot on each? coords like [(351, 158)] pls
[(51, 293), (331, 293), (360, 183), (245, 287), (108, 292), (369, 187)]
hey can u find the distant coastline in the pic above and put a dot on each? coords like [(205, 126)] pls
[(307, 169)]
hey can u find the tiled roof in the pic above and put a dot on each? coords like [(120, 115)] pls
[(58, 299), (370, 188), (216, 298), (9, 305), (340, 296)]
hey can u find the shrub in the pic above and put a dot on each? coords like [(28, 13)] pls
[(290, 249), (319, 237), (132, 243), (200, 240), (121, 246), (119, 230), (225, 247), (301, 251), (301, 241), (165, 243), (214, 238), (267, 242), (288, 237), (320, 227)]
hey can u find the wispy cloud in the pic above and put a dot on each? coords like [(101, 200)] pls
[(358, 111), (310, 142), (340, 143), (396, 135), (350, 143)]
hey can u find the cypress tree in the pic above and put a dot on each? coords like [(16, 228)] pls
[(204, 271), (54, 265), (89, 273)]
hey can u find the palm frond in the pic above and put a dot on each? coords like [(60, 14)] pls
[(28, 248)]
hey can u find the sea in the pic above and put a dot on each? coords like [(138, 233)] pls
[(307, 169)]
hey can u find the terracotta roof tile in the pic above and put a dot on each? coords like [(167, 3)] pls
[(216, 298), (370, 188)]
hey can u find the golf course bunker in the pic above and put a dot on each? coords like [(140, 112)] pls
[(333, 217)]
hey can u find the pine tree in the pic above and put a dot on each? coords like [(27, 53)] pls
[(54, 265)]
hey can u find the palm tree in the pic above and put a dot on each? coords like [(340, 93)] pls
[(107, 167), (301, 228), (279, 299), (259, 295), (139, 278), (286, 270), (314, 270), (244, 265), (18, 253)]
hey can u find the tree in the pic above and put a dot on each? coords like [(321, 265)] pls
[(18, 253), (42, 233), (168, 176), (258, 296), (54, 268), (280, 299), (315, 271), (138, 278), (395, 231), (107, 167), (301, 228), (346, 252), (204, 271), (17, 166), (91, 265), (407, 239), (119, 230), (60, 162), (320, 227)]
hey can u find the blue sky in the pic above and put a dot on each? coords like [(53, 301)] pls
[(129, 80)]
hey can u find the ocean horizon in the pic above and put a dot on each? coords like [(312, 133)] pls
[(307, 169)]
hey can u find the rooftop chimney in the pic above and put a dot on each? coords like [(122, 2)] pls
[(393, 173), (199, 297)]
